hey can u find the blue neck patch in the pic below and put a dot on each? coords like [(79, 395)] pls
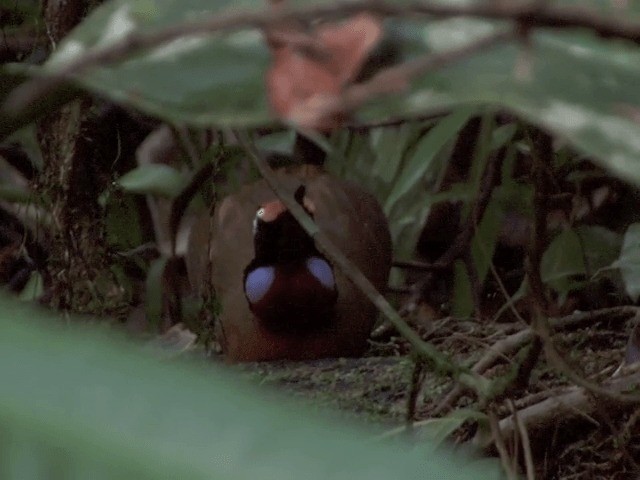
[(258, 282), (320, 269)]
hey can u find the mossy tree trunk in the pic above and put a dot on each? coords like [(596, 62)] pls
[(75, 172)]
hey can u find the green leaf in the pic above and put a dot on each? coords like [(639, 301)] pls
[(197, 79), (503, 135), (15, 194), (563, 259), (601, 246), (485, 239), (34, 288), (462, 291), (12, 76), (581, 88), (389, 145), (86, 405), (629, 261), (154, 288), (122, 233), (522, 291), (429, 146), (155, 179)]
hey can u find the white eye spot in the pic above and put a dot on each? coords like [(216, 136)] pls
[(259, 214)]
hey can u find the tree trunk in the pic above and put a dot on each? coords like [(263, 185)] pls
[(75, 173)]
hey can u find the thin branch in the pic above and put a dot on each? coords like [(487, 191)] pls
[(418, 265), (417, 379), (526, 444), (573, 403), (427, 115), (498, 439)]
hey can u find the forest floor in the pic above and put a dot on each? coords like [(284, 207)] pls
[(583, 440)]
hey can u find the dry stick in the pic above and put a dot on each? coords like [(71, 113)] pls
[(510, 344), (417, 377), (542, 156), (625, 436), (526, 444), (431, 354), (574, 402), (498, 439), (605, 417), (542, 329), (531, 14)]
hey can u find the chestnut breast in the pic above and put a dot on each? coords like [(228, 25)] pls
[(354, 222), (290, 299)]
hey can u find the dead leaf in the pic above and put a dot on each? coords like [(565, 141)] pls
[(311, 69)]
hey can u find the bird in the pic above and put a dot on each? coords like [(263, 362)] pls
[(289, 285), (280, 297)]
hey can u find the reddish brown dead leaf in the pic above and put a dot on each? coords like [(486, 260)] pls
[(350, 44), (311, 69)]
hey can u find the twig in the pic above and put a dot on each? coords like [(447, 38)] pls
[(542, 150), (575, 402), (498, 440), (417, 377), (433, 114), (526, 444), (417, 265), (193, 151)]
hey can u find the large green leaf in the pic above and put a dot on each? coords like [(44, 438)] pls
[(156, 179), (422, 157), (76, 404), (563, 260), (601, 246), (199, 79), (582, 88)]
